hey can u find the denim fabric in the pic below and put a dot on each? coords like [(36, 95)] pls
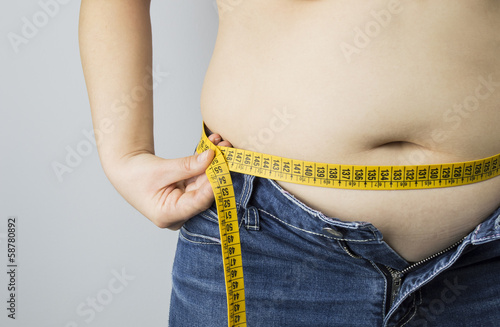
[(302, 268)]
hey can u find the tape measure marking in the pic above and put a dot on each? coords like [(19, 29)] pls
[(361, 177), (316, 174), (222, 185)]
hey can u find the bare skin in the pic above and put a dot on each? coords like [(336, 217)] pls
[(279, 70), (115, 45), (303, 82)]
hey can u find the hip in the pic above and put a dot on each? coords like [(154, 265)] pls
[(302, 268)]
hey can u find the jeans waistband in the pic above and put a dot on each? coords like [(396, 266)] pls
[(254, 194)]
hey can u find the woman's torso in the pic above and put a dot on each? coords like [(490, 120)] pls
[(366, 83)]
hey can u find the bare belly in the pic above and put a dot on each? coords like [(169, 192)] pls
[(366, 83)]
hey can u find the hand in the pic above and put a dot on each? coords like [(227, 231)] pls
[(167, 191)]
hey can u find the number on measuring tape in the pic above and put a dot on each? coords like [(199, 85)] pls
[(314, 174)]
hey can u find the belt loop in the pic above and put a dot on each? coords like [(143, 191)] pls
[(248, 213), (251, 218), (246, 192)]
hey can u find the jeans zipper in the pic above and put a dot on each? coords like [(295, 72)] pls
[(397, 276)]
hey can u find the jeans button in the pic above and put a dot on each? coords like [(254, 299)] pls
[(332, 231)]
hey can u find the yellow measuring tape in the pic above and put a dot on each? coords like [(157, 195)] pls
[(316, 174)]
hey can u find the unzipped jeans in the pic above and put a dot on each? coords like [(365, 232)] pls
[(302, 268)]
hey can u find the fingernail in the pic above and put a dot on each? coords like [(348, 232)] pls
[(202, 157), (217, 139)]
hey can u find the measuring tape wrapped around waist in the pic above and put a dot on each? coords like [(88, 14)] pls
[(357, 177)]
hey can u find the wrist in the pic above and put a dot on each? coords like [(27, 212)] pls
[(115, 165)]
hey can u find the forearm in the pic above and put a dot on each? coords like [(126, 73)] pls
[(116, 54)]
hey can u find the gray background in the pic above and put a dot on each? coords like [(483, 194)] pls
[(75, 232)]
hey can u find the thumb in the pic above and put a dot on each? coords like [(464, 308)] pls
[(193, 165)]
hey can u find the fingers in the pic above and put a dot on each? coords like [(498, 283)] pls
[(187, 167), (192, 166), (191, 192), (180, 205), (225, 143), (217, 140)]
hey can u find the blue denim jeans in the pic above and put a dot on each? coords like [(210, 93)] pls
[(302, 268)]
